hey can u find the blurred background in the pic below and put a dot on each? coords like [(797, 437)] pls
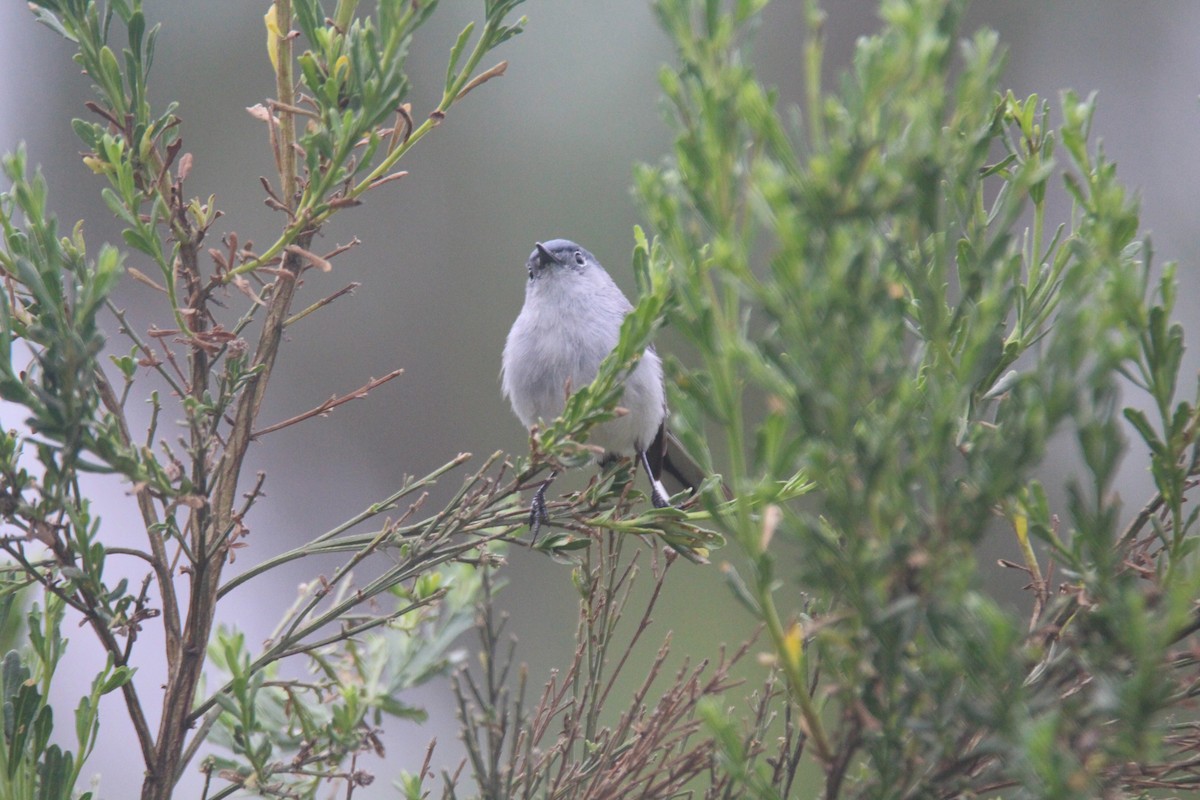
[(544, 152)]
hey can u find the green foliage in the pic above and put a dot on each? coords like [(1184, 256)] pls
[(289, 737), (54, 315), (186, 480), (30, 766), (132, 147), (50, 306), (869, 310), (354, 73)]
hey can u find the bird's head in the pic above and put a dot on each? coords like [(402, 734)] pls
[(558, 256)]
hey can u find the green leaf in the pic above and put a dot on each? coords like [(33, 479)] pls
[(116, 679), (55, 774), (1142, 425), (460, 46), (741, 592)]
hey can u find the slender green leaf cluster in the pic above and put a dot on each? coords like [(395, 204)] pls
[(133, 146), (51, 344), (355, 80), (88, 25), (869, 310), (355, 77), (288, 738), (55, 315), (30, 766)]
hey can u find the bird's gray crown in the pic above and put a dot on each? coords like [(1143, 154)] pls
[(558, 253)]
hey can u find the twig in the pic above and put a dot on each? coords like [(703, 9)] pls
[(294, 109), (395, 176), (130, 551), (312, 258), (330, 404), (147, 354), (371, 511), (482, 78), (150, 519), (86, 606), (1155, 503), (401, 132), (347, 289)]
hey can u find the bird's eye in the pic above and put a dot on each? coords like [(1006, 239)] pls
[(579, 258)]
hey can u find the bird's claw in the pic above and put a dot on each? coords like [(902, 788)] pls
[(658, 499), (658, 492), (537, 511)]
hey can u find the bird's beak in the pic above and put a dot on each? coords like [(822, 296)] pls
[(545, 255), (540, 260)]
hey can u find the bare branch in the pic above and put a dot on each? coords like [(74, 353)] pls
[(330, 404)]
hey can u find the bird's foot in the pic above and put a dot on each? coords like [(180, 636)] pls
[(537, 510), (658, 492), (658, 495)]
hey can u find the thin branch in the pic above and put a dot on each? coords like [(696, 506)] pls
[(374, 510), (330, 404), (130, 551), (1155, 504), (299, 315), (150, 519), (292, 109), (86, 606), (149, 359)]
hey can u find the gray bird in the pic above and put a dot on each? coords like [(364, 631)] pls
[(570, 321)]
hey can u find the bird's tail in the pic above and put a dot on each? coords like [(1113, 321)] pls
[(674, 467)]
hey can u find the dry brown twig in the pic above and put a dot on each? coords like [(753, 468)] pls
[(329, 405), (562, 747)]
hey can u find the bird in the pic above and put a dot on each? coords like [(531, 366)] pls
[(570, 321)]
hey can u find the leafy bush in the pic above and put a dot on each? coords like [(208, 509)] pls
[(879, 302)]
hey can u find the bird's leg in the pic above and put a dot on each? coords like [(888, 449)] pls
[(658, 493), (537, 508)]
